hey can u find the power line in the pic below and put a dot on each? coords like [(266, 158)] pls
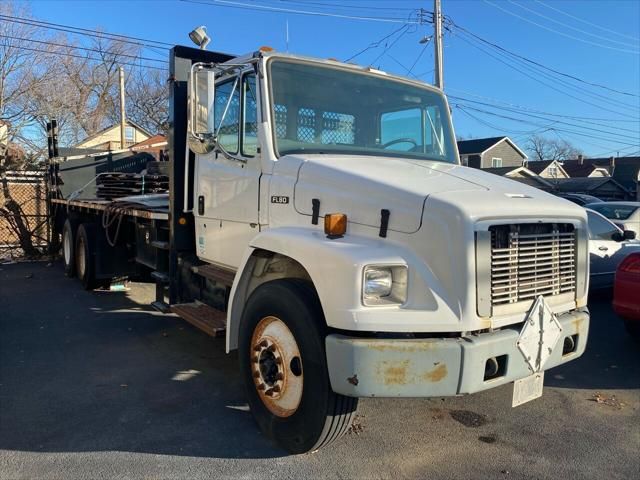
[(250, 6), (83, 31), (558, 31), (341, 5), (600, 130), (552, 87), (561, 82), (67, 54), (538, 64), (418, 58), (506, 109), (520, 120), (529, 109), (375, 44), (587, 22), (94, 50), (571, 27)]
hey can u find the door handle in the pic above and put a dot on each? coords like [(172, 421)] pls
[(603, 249), (201, 205)]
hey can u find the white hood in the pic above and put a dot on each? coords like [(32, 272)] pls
[(361, 186)]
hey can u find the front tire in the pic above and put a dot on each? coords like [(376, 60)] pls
[(283, 364)]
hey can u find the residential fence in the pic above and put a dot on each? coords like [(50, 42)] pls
[(24, 225)]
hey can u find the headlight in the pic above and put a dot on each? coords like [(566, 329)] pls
[(384, 285)]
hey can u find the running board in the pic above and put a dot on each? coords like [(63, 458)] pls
[(208, 319), (221, 275)]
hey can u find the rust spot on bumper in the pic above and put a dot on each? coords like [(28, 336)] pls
[(395, 373), (436, 374), (353, 380)]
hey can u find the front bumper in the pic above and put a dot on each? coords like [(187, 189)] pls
[(436, 367)]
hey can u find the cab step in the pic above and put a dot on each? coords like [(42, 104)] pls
[(208, 319), (160, 245), (160, 277), (220, 275), (160, 306)]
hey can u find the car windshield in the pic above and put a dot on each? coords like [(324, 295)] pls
[(323, 109), (614, 212)]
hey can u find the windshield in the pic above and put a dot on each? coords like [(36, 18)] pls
[(321, 109), (614, 212)]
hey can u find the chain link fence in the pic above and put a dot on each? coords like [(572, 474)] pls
[(24, 225)]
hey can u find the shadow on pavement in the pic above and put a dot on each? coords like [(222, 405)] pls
[(96, 371), (612, 357)]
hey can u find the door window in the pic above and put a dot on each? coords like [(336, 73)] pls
[(250, 114), (227, 114)]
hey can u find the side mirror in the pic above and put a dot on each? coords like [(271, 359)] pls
[(617, 236), (629, 235), (201, 108)]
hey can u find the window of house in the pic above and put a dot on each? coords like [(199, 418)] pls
[(553, 172), (250, 113), (464, 161), (496, 162), (227, 123), (129, 134)]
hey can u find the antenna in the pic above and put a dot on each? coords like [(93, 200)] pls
[(287, 35)]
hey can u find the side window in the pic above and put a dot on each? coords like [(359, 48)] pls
[(599, 228), (250, 120), (227, 98), (403, 126)]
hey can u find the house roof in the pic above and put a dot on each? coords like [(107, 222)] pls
[(151, 141), (584, 184), (480, 145), (575, 169), (528, 174), (538, 166), (500, 170), (115, 125)]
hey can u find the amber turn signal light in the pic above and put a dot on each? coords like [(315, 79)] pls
[(335, 225)]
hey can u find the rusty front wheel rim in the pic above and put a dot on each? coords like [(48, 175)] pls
[(276, 366)]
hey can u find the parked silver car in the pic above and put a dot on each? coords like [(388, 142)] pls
[(608, 246), (625, 215)]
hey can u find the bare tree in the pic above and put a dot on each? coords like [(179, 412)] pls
[(543, 148), (148, 99), (22, 70)]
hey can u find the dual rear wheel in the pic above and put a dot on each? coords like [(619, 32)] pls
[(78, 252)]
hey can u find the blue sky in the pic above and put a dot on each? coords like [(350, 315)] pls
[(593, 40)]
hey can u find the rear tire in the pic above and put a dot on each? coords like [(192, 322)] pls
[(68, 249), (283, 364), (85, 256)]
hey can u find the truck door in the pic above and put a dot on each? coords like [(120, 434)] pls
[(227, 179)]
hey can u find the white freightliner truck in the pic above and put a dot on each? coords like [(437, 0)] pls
[(319, 217)]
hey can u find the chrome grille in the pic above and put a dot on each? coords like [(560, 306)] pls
[(528, 260)]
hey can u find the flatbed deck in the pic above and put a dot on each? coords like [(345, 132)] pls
[(148, 212)]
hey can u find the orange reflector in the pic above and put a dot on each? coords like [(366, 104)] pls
[(182, 221), (335, 224), (265, 48)]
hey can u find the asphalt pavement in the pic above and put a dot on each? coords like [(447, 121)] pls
[(99, 385)]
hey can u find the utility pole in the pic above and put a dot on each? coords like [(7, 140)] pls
[(123, 120), (437, 35)]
